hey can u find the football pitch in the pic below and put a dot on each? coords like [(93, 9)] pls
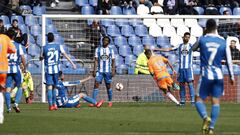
[(121, 119)]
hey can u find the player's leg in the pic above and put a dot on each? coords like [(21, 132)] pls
[(202, 93), (18, 80), (98, 81), (190, 85), (108, 81), (182, 91), (54, 94), (49, 86), (7, 93), (91, 100), (216, 94), (26, 92), (2, 87)]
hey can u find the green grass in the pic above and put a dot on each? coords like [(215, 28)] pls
[(121, 119)]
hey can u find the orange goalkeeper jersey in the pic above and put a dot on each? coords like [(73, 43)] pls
[(6, 46), (157, 67)]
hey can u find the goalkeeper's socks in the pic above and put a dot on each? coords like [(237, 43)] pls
[(172, 98), (192, 92), (201, 108), (182, 93), (18, 95), (95, 93), (214, 115), (8, 100), (49, 96), (110, 93), (1, 104), (54, 96), (90, 100)]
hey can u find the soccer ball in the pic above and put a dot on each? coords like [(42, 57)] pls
[(119, 86)]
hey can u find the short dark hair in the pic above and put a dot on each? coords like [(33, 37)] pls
[(107, 38), (187, 33), (1, 21), (211, 25), (10, 33), (14, 20), (147, 52), (50, 37), (60, 73)]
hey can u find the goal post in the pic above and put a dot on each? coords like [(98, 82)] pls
[(77, 39)]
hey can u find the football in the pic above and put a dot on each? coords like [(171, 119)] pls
[(119, 86)]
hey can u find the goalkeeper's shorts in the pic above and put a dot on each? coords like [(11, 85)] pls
[(165, 83)]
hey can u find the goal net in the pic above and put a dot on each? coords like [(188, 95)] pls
[(80, 35)]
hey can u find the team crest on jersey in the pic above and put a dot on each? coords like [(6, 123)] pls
[(184, 52), (104, 57)]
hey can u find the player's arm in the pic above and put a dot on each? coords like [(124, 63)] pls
[(150, 69), (166, 49), (11, 48), (30, 85), (170, 65), (67, 57), (95, 63), (229, 64), (41, 54), (78, 82), (113, 63), (196, 45), (23, 59)]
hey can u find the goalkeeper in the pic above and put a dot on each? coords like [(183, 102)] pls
[(27, 86)]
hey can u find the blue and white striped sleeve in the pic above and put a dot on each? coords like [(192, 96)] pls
[(62, 49), (229, 62), (72, 83), (113, 55)]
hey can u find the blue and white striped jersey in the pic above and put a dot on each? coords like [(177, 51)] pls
[(51, 54), (61, 94), (14, 59), (213, 50), (104, 56), (185, 55)]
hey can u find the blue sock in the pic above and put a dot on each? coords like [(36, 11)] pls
[(49, 96), (95, 93), (18, 96), (90, 100), (182, 93), (110, 93), (192, 92), (54, 96), (201, 108), (8, 99), (214, 114)]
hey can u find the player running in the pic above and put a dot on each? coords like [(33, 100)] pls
[(185, 67), (51, 55), (213, 50), (157, 67), (6, 46), (65, 102), (104, 68), (15, 75)]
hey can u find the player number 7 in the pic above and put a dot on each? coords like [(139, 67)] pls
[(212, 47)]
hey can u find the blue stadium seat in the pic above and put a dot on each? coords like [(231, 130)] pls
[(33, 50), (17, 17), (129, 11), (81, 2), (134, 40), (23, 28), (135, 22), (39, 40), (130, 59), (222, 9), (127, 31), (33, 68), (120, 40), (107, 22), (199, 10), (141, 30), (30, 20), (5, 19), (93, 2), (87, 10), (124, 50), (115, 10), (113, 30), (115, 50), (121, 22), (31, 39), (48, 21), (39, 10), (162, 41), (25, 7), (236, 11), (173, 58), (36, 30), (118, 60), (51, 28), (137, 49), (122, 69), (148, 40), (58, 39)]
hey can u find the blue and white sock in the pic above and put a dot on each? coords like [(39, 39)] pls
[(182, 93), (110, 93), (8, 100), (90, 100), (95, 93), (191, 91), (214, 115), (201, 108), (18, 96), (49, 96)]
